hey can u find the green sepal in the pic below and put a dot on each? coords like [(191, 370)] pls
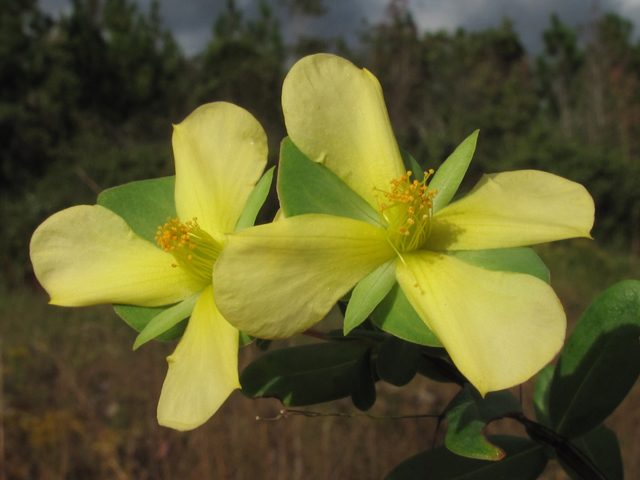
[(305, 186), (448, 177), (363, 383), (541, 395), (303, 375), (254, 202), (369, 292), (524, 460), (602, 451), (411, 164), (516, 259), (599, 363), (143, 205), (166, 320), (395, 315), (139, 317), (245, 339), (397, 361), (468, 414)]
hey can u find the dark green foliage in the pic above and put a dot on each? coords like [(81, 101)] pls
[(308, 374), (363, 382), (524, 460), (398, 361), (599, 363), (469, 413), (601, 447)]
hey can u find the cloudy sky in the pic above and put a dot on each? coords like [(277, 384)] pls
[(191, 20)]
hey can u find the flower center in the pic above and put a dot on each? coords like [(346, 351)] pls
[(194, 249), (406, 211)]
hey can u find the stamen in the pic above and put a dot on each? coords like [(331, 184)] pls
[(406, 230), (193, 249)]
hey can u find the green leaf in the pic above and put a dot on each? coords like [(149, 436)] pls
[(411, 164), (139, 317), (524, 460), (468, 414), (450, 174), (143, 205), (602, 449), (245, 339), (363, 383), (439, 369), (394, 314), (600, 362), (516, 259), (303, 375), (255, 201), (541, 395), (397, 361), (165, 320), (368, 294), (305, 186)]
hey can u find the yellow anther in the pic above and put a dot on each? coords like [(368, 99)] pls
[(407, 231), (193, 249)]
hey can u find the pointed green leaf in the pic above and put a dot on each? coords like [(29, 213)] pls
[(305, 186), (143, 205), (541, 395), (602, 449), (450, 174), (468, 414), (395, 315), (363, 383), (397, 361), (368, 294), (517, 259), (599, 363), (166, 319), (255, 201), (303, 375), (139, 317), (411, 165), (524, 460)]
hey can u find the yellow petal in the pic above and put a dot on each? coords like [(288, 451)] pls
[(514, 209), (220, 152), (335, 114), (203, 370), (279, 279), (499, 328), (87, 255)]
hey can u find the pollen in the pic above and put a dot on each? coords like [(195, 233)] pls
[(406, 215), (194, 250)]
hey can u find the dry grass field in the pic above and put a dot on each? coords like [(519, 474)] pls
[(77, 403)]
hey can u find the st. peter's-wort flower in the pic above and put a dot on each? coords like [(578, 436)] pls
[(88, 255), (498, 327)]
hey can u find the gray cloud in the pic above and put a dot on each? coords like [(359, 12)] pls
[(191, 21)]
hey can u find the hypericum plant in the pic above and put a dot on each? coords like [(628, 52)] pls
[(429, 282)]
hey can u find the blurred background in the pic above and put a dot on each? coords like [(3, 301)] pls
[(88, 92)]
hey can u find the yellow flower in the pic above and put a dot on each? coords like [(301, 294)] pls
[(88, 255), (499, 328)]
